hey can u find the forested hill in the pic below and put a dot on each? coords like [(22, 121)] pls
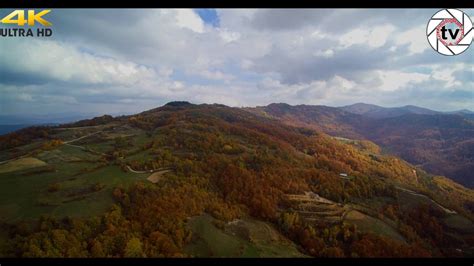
[(440, 143), (210, 180)]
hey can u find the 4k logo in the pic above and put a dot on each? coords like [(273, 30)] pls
[(17, 17)]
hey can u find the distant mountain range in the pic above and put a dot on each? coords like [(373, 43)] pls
[(440, 142), (376, 111), (382, 112), (10, 123)]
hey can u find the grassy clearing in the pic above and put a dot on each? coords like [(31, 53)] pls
[(21, 164), (77, 197), (264, 237), (460, 223), (140, 156), (409, 201), (246, 238), (209, 241), (370, 224), (27, 196), (3, 241), (26, 184), (140, 139), (66, 153), (102, 147), (18, 151), (20, 190)]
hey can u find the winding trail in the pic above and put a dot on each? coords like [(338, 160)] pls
[(85, 136), (421, 195), (64, 142), (13, 159), (148, 171)]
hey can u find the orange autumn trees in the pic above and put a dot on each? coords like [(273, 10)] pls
[(23, 136), (149, 222), (230, 163)]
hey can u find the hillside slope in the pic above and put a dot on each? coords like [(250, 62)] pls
[(439, 143), (374, 111), (317, 195)]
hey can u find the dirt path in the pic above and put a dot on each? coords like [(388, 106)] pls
[(147, 171), (88, 135), (75, 146), (156, 176), (137, 172), (421, 195), (13, 159), (64, 142)]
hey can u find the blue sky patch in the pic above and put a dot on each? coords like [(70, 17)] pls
[(209, 16)]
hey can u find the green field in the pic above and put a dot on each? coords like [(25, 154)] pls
[(460, 223), (3, 242), (247, 238), (68, 180), (26, 196), (21, 164), (368, 224)]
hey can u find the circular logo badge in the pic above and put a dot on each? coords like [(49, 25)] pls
[(450, 31)]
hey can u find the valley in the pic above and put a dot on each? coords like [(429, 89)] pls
[(440, 143)]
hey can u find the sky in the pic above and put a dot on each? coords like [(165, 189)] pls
[(125, 61)]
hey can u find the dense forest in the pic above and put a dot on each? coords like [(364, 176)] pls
[(440, 143), (231, 164)]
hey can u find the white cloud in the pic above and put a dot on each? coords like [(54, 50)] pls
[(445, 74), (333, 57), (372, 37), (246, 64), (393, 80), (63, 62), (187, 18), (324, 53), (415, 38), (229, 36), (215, 75)]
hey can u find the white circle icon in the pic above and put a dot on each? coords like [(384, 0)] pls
[(450, 31)]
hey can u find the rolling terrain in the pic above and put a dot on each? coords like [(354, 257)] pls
[(185, 180), (440, 143)]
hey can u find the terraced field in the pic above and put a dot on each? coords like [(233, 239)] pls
[(318, 210)]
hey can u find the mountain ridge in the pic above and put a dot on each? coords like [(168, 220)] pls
[(159, 177), (432, 140)]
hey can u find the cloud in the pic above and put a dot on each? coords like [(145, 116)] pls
[(394, 80), (372, 37), (56, 61), (415, 38), (287, 19), (216, 75), (187, 18), (130, 60)]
